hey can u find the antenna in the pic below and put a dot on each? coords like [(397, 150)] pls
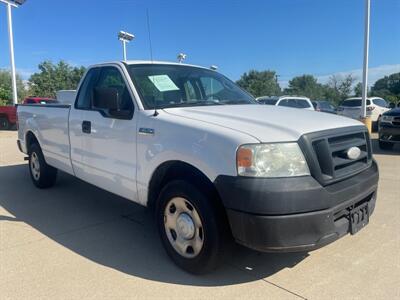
[(148, 30), (155, 114)]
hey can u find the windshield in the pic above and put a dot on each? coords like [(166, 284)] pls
[(164, 86), (268, 101)]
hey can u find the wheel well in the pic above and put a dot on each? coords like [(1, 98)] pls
[(174, 170), (30, 140)]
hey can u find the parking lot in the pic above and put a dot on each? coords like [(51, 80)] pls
[(76, 241)]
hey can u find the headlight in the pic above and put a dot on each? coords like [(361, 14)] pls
[(387, 119), (271, 160)]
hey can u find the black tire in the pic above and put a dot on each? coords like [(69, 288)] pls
[(42, 175), (385, 145), (213, 226), (4, 124), (375, 125)]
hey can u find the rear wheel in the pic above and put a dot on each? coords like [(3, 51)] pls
[(4, 124), (42, 175), (190, 227), (385, 145)]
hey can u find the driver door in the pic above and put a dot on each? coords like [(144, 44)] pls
[(109, 145)]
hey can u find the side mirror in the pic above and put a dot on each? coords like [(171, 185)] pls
[(106, 100)]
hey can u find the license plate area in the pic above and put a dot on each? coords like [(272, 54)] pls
[(359, 217)]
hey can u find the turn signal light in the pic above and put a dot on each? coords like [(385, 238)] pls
[(244, 157)]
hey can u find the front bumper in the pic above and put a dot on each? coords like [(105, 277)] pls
[(293, 214), (389, 133)]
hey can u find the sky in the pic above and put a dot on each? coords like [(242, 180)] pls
[(291, 37)]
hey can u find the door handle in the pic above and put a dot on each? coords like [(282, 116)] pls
[(86, 127)]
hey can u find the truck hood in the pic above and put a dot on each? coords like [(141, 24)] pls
[(265, 122)]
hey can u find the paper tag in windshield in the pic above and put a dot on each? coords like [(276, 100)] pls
[(163, 83)]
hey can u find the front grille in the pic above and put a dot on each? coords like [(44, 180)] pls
[(396, 121), (326, 153)]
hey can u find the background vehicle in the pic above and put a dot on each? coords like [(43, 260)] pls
[(351, 108), (389, 129), (288, 101), (212, 163), (38, 100), (8, 117), (324, 106), (66, 96)]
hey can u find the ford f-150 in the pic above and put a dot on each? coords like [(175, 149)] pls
[(212, 162)]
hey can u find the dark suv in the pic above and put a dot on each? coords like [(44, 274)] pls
[(389, 129)]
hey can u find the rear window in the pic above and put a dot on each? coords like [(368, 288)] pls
[(297, 103), (380, 102), (354, 103)]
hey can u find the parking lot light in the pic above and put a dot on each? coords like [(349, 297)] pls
[(125, 37), (181, 57), (12, 3)]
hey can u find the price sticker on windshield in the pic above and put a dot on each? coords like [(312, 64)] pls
[(163, 83)]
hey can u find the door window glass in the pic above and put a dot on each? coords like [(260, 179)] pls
[(111, 77), (85, 94)]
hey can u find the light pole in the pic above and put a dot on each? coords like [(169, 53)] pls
[(125, 37), (12, 3), (365, 65), (181, 57)]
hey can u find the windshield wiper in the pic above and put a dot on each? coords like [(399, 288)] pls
[(193, 103), (236, 102)]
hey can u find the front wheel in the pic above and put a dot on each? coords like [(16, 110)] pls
[(42, 175), (190, 227)]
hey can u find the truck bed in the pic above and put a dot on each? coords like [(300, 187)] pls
[(49, 123)]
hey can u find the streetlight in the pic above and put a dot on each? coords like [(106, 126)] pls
[(181, 57), (12, 3), (214, 67), (125, 37), (364, 118)]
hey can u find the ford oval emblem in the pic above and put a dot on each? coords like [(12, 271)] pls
[(353, 153)]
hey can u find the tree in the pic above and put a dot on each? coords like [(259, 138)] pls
[(358, 90), (6, 88), (53, 77), (260, 83), (388, 87), (305, 85), (339, 88)]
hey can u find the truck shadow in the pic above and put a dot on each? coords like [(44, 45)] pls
[(116, 232), (377, 150)]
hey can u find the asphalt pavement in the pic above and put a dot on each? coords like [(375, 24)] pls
[(76, 241)]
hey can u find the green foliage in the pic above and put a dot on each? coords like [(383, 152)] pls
[(260, 83), (53, 77), (6, 88), (388, 88), (339, 88), (358, 90), (305, 85)]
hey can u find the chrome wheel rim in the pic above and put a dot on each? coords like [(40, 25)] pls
[(35, 166), (183, 227)]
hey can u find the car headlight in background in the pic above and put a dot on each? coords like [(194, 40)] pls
[(386, 119), (271, 160)]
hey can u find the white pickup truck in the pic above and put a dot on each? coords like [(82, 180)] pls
[(212, 162)]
